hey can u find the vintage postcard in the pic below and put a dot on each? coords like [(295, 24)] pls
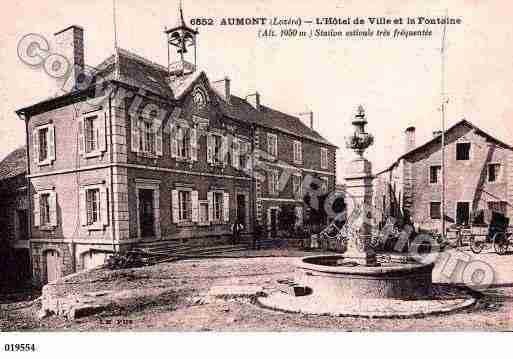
[(255, 166)]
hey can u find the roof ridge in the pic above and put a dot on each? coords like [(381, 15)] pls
[(141, 58)]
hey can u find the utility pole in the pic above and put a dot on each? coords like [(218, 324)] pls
[(442, 110)]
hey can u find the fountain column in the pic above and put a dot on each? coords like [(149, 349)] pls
[(358, 179)]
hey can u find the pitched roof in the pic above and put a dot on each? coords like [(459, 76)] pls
[(14, 164), (142, 73), (438, 138)]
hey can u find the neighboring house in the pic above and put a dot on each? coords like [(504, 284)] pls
[(478, 175), (14, 215), (110, 175)]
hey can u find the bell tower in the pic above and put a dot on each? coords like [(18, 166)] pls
[(182, 40)]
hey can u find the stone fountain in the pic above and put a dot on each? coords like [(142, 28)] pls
[(354, 282)]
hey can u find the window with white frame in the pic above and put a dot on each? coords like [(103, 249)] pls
[(272, 144), (184, 206), (45, 209), (203, 213), (493, 172), (324, 158), (296, 186), (183, 142), (217, 149), (147, 143), (44, 144), (244, 150), (218, 206), (93, 206), (298, 152), (273, 180), (92, 134), (146, 136)]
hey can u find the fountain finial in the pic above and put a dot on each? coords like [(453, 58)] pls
[(359, 140)]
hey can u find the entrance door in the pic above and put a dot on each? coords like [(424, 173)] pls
[(462, 213), (241, 209), (146, 213), (274, 220), (53, 267), (22, 225)]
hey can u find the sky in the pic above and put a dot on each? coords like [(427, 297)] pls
[(396, 80)]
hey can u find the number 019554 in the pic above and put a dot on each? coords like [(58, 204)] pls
[(20, 347)]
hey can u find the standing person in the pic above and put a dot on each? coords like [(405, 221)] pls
[(257, 234), (236, 230)]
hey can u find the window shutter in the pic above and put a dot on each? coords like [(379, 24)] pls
[(195, 204), (210, 149), (37, 218), (83, 207), (158, 140), (194, 144), (134, 124), (51, 142), (35, 141), (102, 141), (226, 206), (210, 198), (53, 209), (236, 153), (224, 149), (104, 209), (173, 130), (175, 208), (299, 216), (81, 136)]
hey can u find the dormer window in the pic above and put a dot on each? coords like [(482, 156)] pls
[(272, 144), (298, 152)]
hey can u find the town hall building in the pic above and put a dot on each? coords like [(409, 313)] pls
[(144, 152)]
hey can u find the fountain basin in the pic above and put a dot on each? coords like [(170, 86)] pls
[(335, 277)]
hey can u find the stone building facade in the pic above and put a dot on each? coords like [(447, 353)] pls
[(138, 152), (478, 176), (14, 239)]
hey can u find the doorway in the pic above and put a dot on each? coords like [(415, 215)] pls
[(53, 265), (274, 222), (241, 209), (22, 223), (146, 213), (463, 213)]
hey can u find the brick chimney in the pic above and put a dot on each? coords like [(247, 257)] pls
[(70, 44), (254, 100), (307, 118), (222, 87), (409, 139)]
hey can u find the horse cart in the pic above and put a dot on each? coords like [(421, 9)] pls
[(487, 230)]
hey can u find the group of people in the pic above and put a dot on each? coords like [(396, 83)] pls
[(238, 227)]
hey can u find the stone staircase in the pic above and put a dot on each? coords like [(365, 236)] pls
[(165, 249)]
